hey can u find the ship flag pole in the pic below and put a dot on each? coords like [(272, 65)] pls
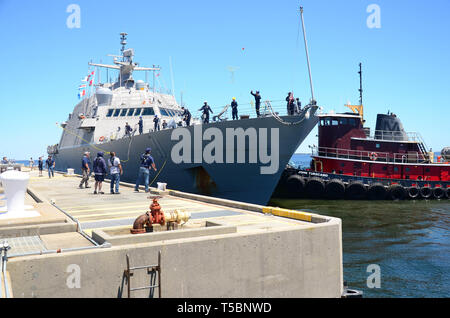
[(313, 101)]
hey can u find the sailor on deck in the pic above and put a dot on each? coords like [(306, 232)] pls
[(186, 116), (257, 101), (141, 125), (156, 121), (206, 109), (234, 111)]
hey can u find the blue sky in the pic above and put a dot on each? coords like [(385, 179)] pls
[(406, 62)]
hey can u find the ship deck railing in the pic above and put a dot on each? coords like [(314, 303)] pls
[(388, 135), (366, 155)]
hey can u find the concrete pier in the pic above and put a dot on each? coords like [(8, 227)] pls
[(78, 246)]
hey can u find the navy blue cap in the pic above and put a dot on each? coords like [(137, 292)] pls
[(100, 154), (148, 149)]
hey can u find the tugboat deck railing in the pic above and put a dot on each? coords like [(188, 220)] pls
[(364, 155), (387, 135)]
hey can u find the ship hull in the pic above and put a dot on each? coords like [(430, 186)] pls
[(240, 181)]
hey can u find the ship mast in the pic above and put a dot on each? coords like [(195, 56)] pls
[(360, 85), (358, 109), (313, 101)]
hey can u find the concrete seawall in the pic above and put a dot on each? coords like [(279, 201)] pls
[(250, 254)]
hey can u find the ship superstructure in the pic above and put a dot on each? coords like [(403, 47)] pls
[(234, 159)]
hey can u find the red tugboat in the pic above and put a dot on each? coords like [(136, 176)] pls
[(354, 163)]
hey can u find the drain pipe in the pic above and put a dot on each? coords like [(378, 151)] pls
[(5, 247), (79, 229), (61, 250)]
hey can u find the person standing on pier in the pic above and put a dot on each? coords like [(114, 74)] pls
[(99, 168), (234, 110), (206, 109), (41, 166), (5, 161), (257, 102), (85, 163), (141, 125), (144, 170), (115, 170), (50, 166), (31, 164), (186, 116)]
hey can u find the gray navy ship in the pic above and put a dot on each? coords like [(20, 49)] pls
[(233, 159)]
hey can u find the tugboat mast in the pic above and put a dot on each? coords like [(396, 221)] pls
[(360, 84)]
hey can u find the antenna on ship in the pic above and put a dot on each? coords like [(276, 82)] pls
[(123, 42), (360, 84), (313, 101), (358, 109)]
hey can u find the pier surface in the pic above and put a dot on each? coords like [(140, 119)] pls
[(226, 249)]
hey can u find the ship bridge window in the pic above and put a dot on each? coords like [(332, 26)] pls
[(148, 111), (137, 112), (110, 112), (334, 122), (163, 112), (343, 121), (116, 112), (322, 122), (130, 112), (352, 121), (123, 112), (327, 122)]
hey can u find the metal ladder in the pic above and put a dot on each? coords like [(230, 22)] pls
[(150, 269)]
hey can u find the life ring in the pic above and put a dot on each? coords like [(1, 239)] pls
[(102, 138), (373, 156)]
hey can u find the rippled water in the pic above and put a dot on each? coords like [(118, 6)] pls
[(409, 240)]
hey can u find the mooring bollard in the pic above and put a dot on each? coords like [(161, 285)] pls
[(15, 185)]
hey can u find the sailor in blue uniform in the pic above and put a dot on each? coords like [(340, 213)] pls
[(144, 170)]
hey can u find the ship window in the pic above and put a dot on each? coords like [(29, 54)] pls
[(148, 111), (110, 112), (407, 169), (395, 169), (377, 146), (130, 112), (343, 121), (327, 122), (384, 168), (138, 111), (352, 121), (123, 112), (342, 165), (334, 122), (116, 112), (427, 170), (163, 112), (322, 122)]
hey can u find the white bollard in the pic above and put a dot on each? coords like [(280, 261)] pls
[(70, 171), (15, 185), (161, 186)]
